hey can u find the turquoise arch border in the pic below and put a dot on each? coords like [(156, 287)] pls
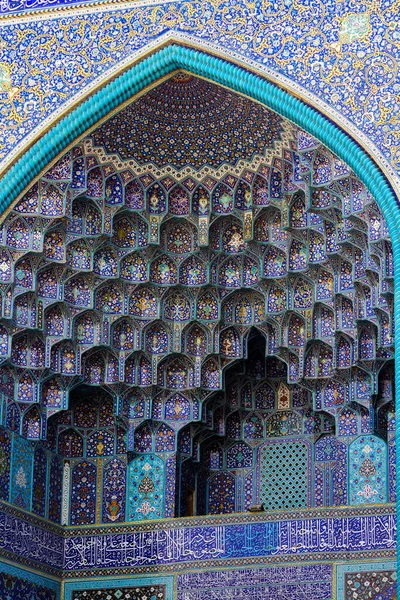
[(220, 71)]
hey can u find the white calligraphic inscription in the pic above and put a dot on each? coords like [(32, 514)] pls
[(142, 548)]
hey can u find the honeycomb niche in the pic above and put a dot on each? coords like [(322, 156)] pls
[(196, 316)]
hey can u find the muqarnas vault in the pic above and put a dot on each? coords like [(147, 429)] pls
[(196, 327)]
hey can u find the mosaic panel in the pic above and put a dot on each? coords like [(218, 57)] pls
[(121, 588), (83, 493), (142, 592), (368, 471), (19, 588), (221, 494), (171, 486), (331, 457), (146, 485), (21, 473), (39, 483), (5, 462), (100, 443), (55, 490), (114, 491), (392, 470), (367, 580), (239, 455), (381, 583)]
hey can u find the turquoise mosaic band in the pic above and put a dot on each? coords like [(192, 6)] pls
[(238, 79)]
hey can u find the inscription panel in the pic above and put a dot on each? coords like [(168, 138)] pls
[(313, 582)]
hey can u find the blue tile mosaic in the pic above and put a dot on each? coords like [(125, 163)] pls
[(147, 257), (344, 44), (292, 583), (19, 584), (349, 534), (25, 540)]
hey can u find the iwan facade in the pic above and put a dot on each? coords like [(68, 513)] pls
[(199, 300)]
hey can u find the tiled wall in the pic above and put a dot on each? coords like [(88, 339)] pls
[(20, 584), (300, 552)]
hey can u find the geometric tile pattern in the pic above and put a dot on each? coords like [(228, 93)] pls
[(283, 472)]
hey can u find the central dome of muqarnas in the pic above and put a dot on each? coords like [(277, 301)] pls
[(187, 121)]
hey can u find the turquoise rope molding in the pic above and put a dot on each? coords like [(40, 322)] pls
[(220, 71)]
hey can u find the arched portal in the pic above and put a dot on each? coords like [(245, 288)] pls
[(164, 266)]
